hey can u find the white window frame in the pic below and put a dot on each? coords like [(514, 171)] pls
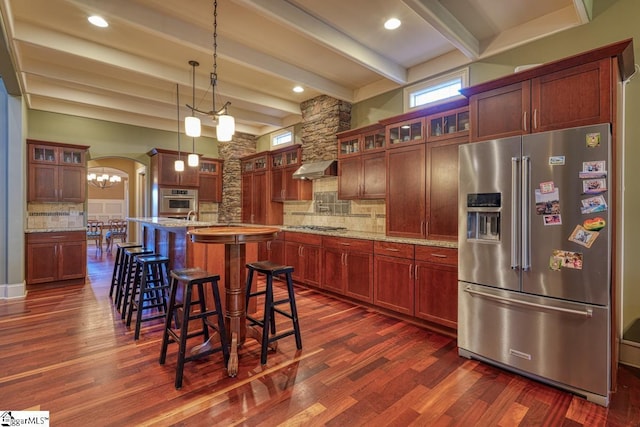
[(279, 134), (410, 92)]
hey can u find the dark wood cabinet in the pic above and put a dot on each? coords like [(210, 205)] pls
[(348, 267), (302, 252), (394, 282), (284, 162), (57, 172), (441, 220), (361, 160), (273, 250), (54, 257), (422, 179), (210, 180), (436, 282), (574, 96), (406, 191), (163, 171), (257, 204)]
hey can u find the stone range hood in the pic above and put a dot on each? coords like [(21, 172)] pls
[(316, 170)]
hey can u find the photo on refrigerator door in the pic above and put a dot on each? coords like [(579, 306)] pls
[(548, 203)]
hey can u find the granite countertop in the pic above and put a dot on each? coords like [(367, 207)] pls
[(373, 236), (171, 222), (54, 230), (175, 223)]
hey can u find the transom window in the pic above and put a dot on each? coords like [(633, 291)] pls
[(443, 88), (282, 138)]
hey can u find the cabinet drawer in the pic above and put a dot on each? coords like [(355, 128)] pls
[(437, 255), (346, 244), (400, 250), (306, 238), (54, 237)]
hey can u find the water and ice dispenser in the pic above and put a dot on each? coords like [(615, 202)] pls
[(483, 216)]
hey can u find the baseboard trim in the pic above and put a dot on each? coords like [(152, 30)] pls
[(10, 291), (630, 353)]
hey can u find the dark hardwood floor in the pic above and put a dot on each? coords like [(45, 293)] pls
[(65, 350)]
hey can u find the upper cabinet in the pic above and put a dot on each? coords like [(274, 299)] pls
[(449, 124), (422, 178), (257, 204), (362, 167), (406, 132), (574, 91), (163, 171), (210, 180), (284, 162), (57, 172)]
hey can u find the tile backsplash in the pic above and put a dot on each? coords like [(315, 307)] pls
[(43, 216), (326, 209)]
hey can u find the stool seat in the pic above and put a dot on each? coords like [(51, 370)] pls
[(149, 291), (266, 267), (117, 266), (129, 272), (193, 278), (268, 321)]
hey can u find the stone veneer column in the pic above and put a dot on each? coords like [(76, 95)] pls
[(322, 118), (241, 145)]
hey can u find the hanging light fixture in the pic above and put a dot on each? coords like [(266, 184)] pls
[(178, 165), (193, 159), (103, 180), (224, 122), (191, 123)]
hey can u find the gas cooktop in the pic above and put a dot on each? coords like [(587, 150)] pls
[(317, 227)]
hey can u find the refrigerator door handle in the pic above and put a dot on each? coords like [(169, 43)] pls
[(515, 261), (586, 313), (526, 242)]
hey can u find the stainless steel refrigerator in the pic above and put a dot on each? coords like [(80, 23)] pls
[(534, 265)]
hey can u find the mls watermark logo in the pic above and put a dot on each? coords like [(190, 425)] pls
[(24, 418)]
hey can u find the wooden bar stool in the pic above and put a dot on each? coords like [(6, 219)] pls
[(149, 292), (129, 271), (117, 264), (193, 278), (268, 322)]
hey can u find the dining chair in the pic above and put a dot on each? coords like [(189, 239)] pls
[(94, 232), (117, 230)]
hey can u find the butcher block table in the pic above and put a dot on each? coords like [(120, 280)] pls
[(234, 239)]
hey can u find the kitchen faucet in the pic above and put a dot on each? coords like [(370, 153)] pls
[(189, 215)]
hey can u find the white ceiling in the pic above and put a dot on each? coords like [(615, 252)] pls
[(128, 72)]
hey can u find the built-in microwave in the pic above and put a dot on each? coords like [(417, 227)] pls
[(178, 201)]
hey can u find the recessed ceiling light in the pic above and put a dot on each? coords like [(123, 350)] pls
[(298, 89), (392, 24), (98, 21)]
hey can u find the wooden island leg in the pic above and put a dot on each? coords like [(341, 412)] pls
[(235, 276)]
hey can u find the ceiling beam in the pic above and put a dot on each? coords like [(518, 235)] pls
[(85, 50), (307, 24), (446, 24), (584, 9), (166, 27)]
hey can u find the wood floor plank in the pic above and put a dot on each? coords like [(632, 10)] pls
[(66, 350)]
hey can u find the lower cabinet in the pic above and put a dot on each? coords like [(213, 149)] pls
[(273, 250), (56, 256), (437, 285), (348, 267), (394, 276), (302, 252)]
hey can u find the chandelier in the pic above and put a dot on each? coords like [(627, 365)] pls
[(225, 123), (103, 180)]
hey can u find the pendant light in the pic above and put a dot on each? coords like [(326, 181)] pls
[(191, 123), (178, 165), (224, 122), (193, 159)]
